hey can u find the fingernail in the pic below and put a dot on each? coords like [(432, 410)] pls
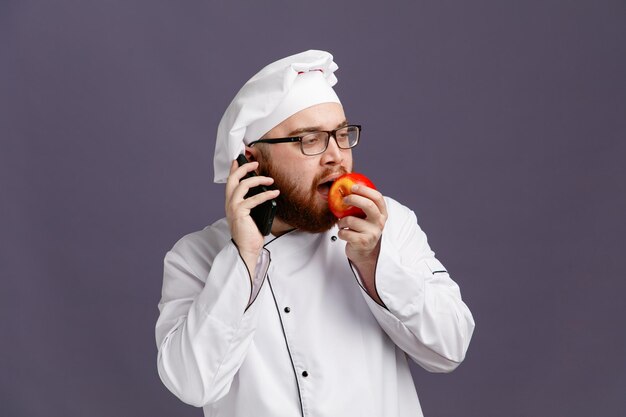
[(355, 187)]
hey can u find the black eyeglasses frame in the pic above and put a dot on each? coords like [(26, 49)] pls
[(299, 139)]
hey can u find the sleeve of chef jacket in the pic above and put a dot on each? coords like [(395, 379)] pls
[(207, 321), (423, 312)]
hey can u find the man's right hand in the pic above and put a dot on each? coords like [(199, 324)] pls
[(243, 230)]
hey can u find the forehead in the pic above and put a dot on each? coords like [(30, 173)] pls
[(326, 116)]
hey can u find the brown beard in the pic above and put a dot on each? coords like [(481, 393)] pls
[(297, 205)]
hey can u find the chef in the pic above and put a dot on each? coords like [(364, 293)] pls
[(321, 316)]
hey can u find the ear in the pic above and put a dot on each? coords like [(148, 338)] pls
[(251, 153)]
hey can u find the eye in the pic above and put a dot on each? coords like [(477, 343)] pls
[(311, 140), (343, 135)]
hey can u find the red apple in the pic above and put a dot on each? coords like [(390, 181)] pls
[(343, 187)]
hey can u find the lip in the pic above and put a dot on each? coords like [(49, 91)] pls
[(331, 177), (324, 191)]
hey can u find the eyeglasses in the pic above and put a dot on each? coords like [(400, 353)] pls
[(315, 143)]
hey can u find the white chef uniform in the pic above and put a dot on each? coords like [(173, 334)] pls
[(312, 342)]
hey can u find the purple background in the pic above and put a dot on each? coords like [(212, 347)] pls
[(501, 123)]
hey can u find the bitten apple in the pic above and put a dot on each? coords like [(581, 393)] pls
[(343, 187)]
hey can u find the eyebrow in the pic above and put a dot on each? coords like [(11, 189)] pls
[(314, 129)]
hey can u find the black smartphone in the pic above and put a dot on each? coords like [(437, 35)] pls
[(263, 214)]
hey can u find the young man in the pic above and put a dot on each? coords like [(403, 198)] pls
[(319, 317)]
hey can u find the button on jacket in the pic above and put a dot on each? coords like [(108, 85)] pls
[(304, 337)]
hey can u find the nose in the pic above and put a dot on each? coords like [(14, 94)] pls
[(333, 155)]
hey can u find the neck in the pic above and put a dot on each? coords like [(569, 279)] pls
[(279, 227)]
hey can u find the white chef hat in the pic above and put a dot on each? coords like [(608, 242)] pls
[(278, 91)]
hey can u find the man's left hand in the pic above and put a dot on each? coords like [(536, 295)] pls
[(363, 235)]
